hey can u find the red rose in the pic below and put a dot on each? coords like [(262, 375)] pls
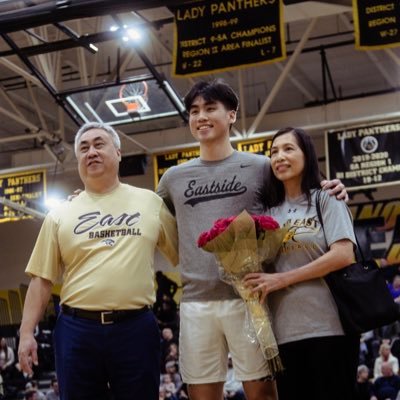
[(267, 223)]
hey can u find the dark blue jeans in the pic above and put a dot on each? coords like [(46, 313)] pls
[(93, 360)]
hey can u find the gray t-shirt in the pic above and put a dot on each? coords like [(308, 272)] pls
[(307, 309), (200, 192)]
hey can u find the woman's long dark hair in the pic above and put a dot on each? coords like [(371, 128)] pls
[(311, 175)]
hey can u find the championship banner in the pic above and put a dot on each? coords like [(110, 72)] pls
[(376, 23), (365, 156), (163, 161), (21, 188), (211, 36)]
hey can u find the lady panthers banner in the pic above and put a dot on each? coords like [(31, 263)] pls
[(364, 156), (213, 36)]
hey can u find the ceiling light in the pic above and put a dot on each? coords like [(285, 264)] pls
[(134, 34)]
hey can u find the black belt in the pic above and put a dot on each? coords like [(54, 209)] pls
[(105, 317)]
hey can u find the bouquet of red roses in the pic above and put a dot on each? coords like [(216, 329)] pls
[(241, 244)]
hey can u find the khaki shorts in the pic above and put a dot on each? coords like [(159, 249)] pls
[(209, 331)]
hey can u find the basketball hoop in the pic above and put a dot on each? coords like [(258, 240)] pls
[(134, 96)]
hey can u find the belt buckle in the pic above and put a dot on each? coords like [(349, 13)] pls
[(103, 320)]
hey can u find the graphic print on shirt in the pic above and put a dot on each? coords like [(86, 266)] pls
[(114, 226), (296, 237), (196, 192)]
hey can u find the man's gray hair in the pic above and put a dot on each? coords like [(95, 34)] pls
[(97, 125)]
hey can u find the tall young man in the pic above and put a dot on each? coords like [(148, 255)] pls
[(221, 183)]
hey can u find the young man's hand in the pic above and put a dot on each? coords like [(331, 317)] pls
[(337, 188), (76, 193)]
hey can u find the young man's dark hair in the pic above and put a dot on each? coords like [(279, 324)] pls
[(216, 90)]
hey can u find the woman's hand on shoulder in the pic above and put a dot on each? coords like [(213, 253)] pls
[(76, 193)]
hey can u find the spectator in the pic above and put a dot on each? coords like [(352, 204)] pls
[(33, 385), (7, 357), (166, 394), (172, 353), (394, 288), (363, 385), (172, 369), (167, 338), (233, 389), (53, 393), (369, 348), (387, 386), (1, 387), (31, 395), (385, 355), (168, 384)]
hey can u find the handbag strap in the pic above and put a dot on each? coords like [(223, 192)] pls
[(319, 213)]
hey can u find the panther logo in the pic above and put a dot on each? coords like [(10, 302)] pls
[(108, 242)]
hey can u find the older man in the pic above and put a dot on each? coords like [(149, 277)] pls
[(102, 244)]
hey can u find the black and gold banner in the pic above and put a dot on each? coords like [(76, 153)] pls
[(376, 23), (21, 188), (378, 224), (163, 161), (257, 146), (365, 156), (214, 36)]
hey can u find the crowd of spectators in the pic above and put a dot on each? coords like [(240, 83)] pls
[(378, 373), (17, 385)]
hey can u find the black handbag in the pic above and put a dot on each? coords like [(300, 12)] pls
[(361, 294)]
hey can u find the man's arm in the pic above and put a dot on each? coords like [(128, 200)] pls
[(168, 237), (37, 298), (337, 188)]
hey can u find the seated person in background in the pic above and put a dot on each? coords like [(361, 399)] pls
[(33, 385), (166, 394), (1, 387), (233, 389), (171, 368), (53, 393), (7, 357), (168, 384), (363, 385), (31, 395), (385, 355), (394, 288), (387, 386)]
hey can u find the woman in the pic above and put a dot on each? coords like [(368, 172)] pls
[(320, 361), (385, 355)]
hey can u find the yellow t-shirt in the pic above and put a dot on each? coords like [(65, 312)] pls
[(103, 247)]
